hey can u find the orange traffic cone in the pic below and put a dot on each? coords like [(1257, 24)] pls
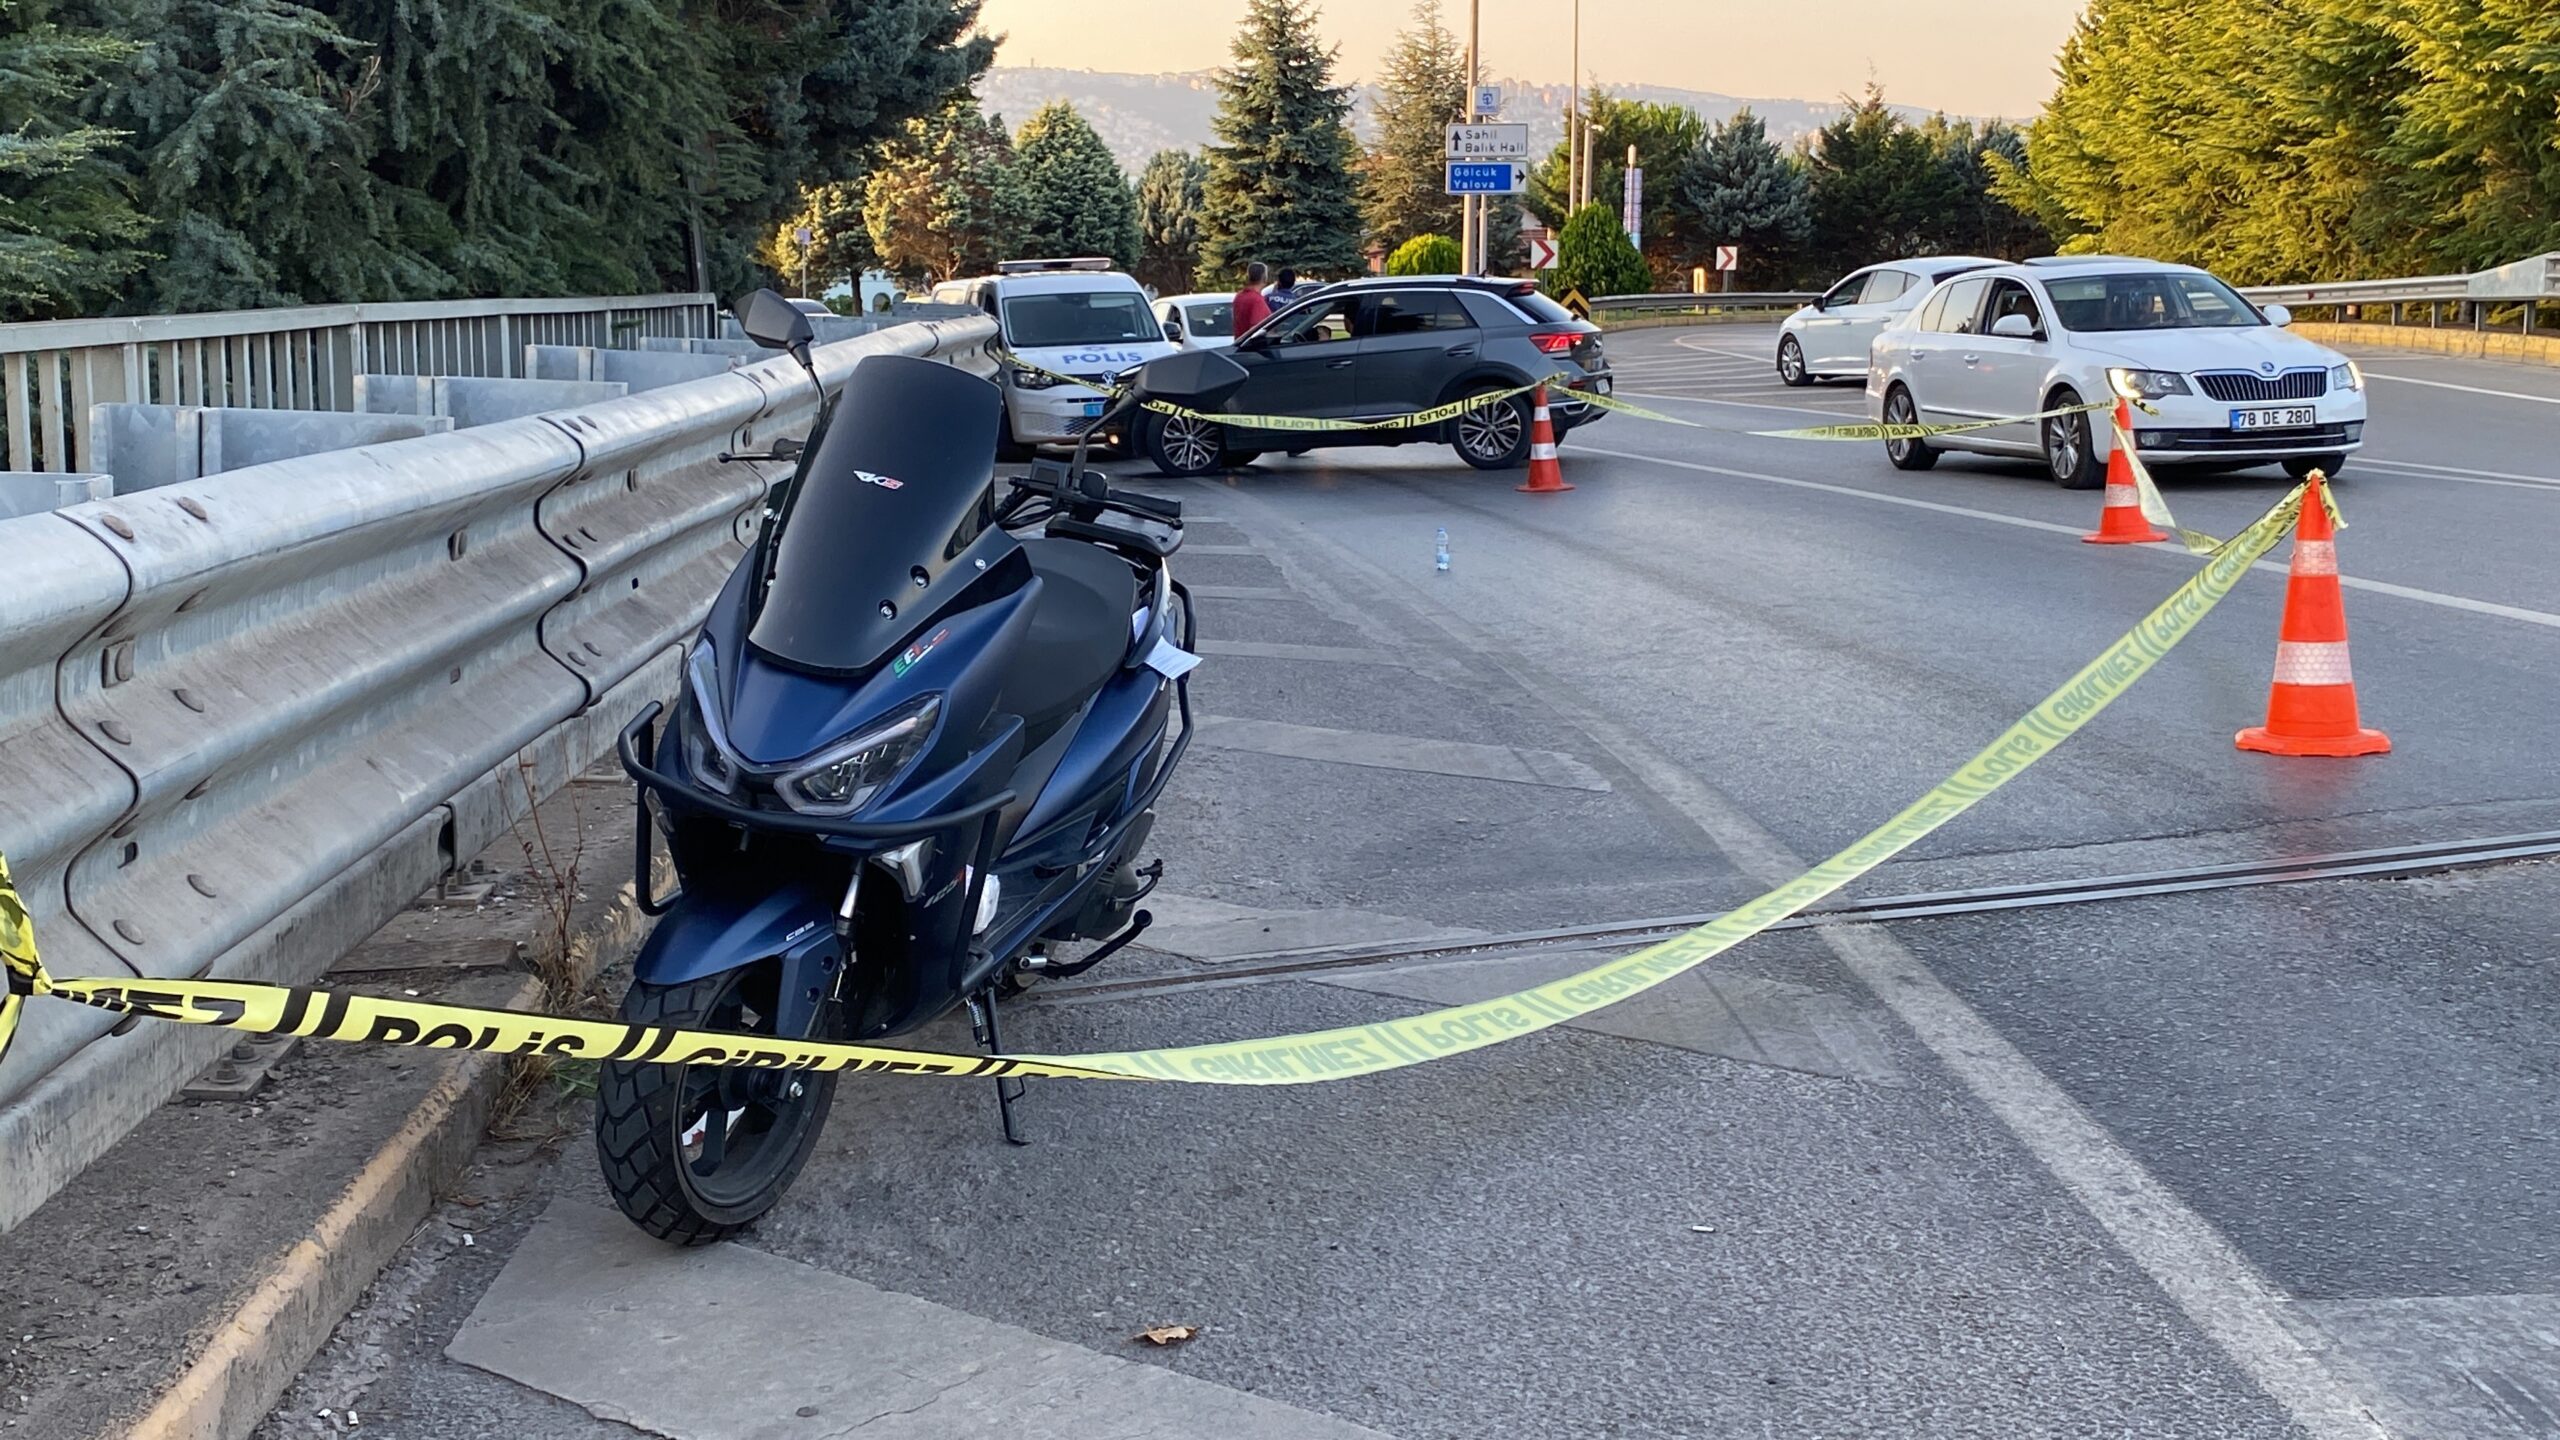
[(2121, 522), (1546, 477), (2311, 709)]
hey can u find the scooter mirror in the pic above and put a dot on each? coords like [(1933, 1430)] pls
[(1199, 379), (774, 322)]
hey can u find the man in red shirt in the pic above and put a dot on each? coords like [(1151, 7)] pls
[(1251, 308)]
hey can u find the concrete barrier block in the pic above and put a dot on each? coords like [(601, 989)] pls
[(471, 401), (392, 395), (561, 362), (237, 439), (141, 446), (34, 492), (652, 370)]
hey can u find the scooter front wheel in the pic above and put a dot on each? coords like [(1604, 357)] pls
[(696, 1153)]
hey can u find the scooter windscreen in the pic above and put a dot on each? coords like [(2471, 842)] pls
[(899, 487)]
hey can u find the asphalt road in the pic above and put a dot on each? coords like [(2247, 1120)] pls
[(2254, 1162)]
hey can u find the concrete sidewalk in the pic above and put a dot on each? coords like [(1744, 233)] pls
[(177, 1286)]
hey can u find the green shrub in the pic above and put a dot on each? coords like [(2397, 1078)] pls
[(1594, 257), (1426, 255)]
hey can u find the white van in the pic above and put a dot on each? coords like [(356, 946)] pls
[(1077, 317)]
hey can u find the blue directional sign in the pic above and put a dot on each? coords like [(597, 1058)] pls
[(1499, 177)]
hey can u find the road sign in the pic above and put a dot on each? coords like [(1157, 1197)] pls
[(1542, 253), (1488, 99), (1480, 177), (1634, 213), (1574, 302), (1728, 257), (802, 235), (1488, 142)]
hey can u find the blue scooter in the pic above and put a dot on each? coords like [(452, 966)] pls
[(918, 746)]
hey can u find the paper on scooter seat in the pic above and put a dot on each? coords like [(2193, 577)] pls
[(1170, 660)]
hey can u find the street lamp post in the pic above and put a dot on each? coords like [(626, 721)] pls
[(1471, 212), (1573, 120)]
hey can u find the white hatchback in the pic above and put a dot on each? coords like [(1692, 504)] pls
[(2228, 387), (1828, 339), (1206, 322)]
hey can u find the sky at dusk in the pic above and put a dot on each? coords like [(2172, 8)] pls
[(1977, 57)]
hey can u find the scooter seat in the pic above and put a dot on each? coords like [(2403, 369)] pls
[(1079, 631)]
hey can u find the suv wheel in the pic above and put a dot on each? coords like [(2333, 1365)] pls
[(1791, 363), (1185, 444), (2069, 455), (1899, 409), (1493, 437)]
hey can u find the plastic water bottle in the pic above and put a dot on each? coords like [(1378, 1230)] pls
[(1440, 551)]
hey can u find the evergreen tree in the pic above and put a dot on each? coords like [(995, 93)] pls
[(1280, 187), (1981, 222), (1877, 187), (1664, 137), (839, 247), (1593, 256), (1169, 198), (67, 222), (2478, 132), (1506, 251), (1739, 189), (249, 131), (1076, 200), (1426, 255), (943, 200), (1404, 180)]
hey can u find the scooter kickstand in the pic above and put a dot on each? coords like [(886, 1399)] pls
[(982, 1014)]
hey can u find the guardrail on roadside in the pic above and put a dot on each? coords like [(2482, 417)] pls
[(52, 371), (247, 718), (1708, 304), (2473, 299)]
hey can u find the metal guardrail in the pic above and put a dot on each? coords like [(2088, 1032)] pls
[(2521, 289), (1679, 303), (52, 371), (245, 719)]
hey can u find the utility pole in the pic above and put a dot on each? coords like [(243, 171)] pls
[(1471, 223), (1573, 120)]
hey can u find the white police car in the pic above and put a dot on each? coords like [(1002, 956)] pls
[(1076, 317)]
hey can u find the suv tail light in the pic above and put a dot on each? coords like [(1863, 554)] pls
[(1554, 342)]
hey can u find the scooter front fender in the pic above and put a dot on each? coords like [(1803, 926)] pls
[(712, 930)]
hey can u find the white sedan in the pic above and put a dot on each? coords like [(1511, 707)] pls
[(1828, 339), (1208, 321), (2228, 387)]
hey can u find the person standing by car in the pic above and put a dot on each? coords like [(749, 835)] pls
[(1286, 293), (1251, 308)]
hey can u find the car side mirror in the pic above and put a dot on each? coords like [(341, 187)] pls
[(774, 322), (1173, 331), (2016, 327), (2278, 315)]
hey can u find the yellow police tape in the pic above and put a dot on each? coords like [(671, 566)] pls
[(1278, 1060), (1437, 414)]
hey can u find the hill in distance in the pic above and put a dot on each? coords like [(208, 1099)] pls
[(1138, 115)]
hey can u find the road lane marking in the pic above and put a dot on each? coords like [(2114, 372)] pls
[(1742, 404), (2466, 389), (2380, 587), (2198, 1269), (2454, 472)]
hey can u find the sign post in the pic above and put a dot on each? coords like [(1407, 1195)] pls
[(1634, 211)]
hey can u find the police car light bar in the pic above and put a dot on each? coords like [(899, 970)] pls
[(1035, 267)]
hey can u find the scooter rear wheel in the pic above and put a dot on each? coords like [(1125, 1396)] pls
[(696, 1153)]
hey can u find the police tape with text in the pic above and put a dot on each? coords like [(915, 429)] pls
[(1278, 1060)]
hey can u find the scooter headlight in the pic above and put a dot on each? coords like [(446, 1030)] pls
[(843, 779), (703, 754)]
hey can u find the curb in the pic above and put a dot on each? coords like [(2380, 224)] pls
[(2464, 343), (252, 1355)]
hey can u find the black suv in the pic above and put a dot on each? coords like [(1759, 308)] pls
[(1378, 348)]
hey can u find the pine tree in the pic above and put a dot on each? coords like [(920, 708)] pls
[(1076, 200), (1169, 198), (1506, 250), (1404, 180), (1664, 137), (1877, 188), (839, 247), (1739, 189), (943, 200), (67, 222), (1280, 187)]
